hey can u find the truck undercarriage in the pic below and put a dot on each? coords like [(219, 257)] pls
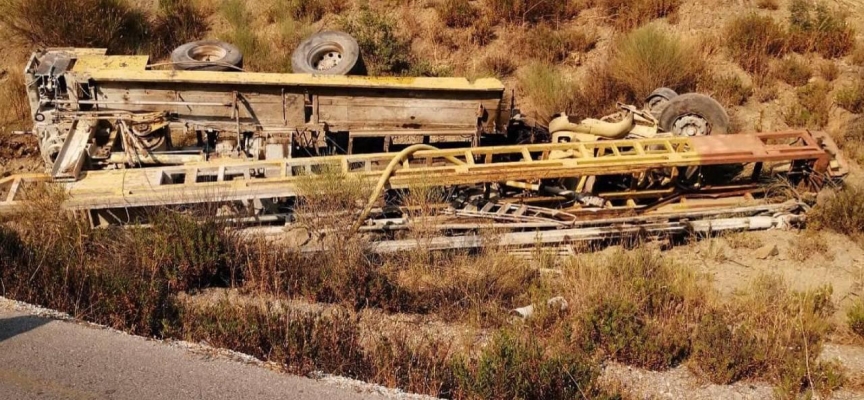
[(125, 141)]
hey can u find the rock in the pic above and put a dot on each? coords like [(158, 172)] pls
[(766, 251)]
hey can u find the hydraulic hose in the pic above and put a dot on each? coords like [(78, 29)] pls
[(388, 172)]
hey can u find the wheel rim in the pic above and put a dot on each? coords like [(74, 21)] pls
[(691, 125), (325, 57), (207, 52)]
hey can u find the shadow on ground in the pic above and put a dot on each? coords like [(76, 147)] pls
[(14, 326)]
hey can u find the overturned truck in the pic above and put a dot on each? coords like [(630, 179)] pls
[(125, 139)]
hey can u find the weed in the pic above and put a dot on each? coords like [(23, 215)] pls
[(829, 70), (551, 45), (728, 89), (851, 97), (550, 92), (499, 64), (855, 317), (793, 71), (528, 11), (648, 58), (626, 15), (723, 352), (304, 341), (641, 321), (177, 22), (857, 57), (807, 245), (304, 10), (421, 366), (14, 105), (768, 4), (111, 24), (744, 240), (518, 365), (457, 13), (852, 140), (818, 29), (768, 332), (385, 50), (752, 39), (482, 31), (813, 107), (842, 211)]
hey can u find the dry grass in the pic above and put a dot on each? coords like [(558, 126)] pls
[(744, 240), (550, 45), (851, 97), (769, 332), (752, 40), (626, 15), (529, 11), (175, 23), (648, 58), (768, 4), (499, 64), (857, 56), (550, 92), (851, 140), (842, 211), (457, 13), (794, 71), (86, 23), (817, 28), (14, 106), (808, 244), (829, 70), (642, 321), (813, 107), (728, 89)]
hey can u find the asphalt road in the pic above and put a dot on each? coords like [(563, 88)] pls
[(42, 358)]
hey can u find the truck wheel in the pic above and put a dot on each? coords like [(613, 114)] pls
[(694, 114), (657, 100), (328, 53), (207, 55)]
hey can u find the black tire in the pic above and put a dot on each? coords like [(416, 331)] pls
[(694, 114), (657, 100), (207, 55), (328, 53)]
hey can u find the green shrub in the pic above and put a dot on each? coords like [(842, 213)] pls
[(818, 29), (112, 24), (648, 58), (385, 50), (769, 332), (752, 39), (516, 365), (724, 355), (550, 92), (793, 71)]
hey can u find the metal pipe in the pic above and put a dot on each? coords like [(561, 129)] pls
[(138, 103), (156, 158)]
